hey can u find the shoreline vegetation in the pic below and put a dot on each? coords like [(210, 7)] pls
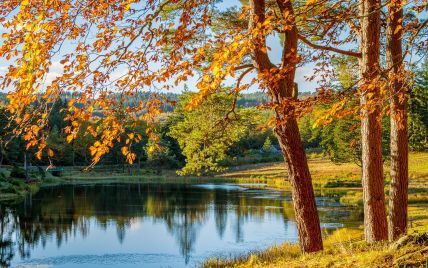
[(327, 177), (343, 248)]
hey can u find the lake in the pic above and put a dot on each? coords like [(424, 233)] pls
[(150, 225)]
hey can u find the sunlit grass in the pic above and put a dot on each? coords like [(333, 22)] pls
[(324, 172), (344, 248)]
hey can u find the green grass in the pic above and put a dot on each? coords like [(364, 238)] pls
[(14, 190)]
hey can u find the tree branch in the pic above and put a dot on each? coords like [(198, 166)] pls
[(238, 84), (259, 54), (245, 66), (333, 49)]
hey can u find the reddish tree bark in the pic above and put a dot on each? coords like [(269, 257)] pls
[(398, 104), (375, 222), (287, 130)]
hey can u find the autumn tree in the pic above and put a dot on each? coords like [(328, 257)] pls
[(404, 28), (108, 51), (126, 46)]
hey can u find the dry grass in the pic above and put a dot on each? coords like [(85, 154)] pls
[(344, 248), (325, 172)]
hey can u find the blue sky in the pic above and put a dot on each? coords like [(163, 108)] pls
[(275, 55)]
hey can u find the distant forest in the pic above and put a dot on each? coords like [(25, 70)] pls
[(249, 138)]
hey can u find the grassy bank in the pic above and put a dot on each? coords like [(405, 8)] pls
[(328, 178), (337, 179), (14, 189), (344, 248), (326, 174)]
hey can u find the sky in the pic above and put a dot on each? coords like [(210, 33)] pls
[(274, 54)]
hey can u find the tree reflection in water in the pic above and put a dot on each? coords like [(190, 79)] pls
[(65, 211)]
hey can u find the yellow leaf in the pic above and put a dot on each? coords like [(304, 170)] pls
[(70, 138), (397, 29)]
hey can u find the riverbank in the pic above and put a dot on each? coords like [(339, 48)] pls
[(328, 178), (336, 179), (14, 189), (344, 248)]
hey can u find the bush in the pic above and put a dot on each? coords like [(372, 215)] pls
[(339, 183), (18, 172), (56, 173), (8, 189), (41, 173), (3, 176), (18, 183)]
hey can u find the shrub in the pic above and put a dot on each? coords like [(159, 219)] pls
[(41, 172), (339, 183), (18, 172), (8, 189), (3, 176)]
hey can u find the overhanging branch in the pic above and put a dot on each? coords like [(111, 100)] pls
[(333, 49)]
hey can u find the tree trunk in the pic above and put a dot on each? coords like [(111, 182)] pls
[(307, 220), (1, 156), (281, 91), (73, 154), (27, 178), (399, 144), (375, 222)]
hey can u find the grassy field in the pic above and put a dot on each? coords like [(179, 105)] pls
[(343, 179), (344, 248), (326, 174)]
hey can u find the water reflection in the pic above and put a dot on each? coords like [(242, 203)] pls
[(202, 220)]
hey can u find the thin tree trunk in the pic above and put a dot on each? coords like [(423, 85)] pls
[(26, 167), (281, 90), (375, 222), (1, 155), (399, 144), (74, 154)]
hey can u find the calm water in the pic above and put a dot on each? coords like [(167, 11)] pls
[(143, 225)]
